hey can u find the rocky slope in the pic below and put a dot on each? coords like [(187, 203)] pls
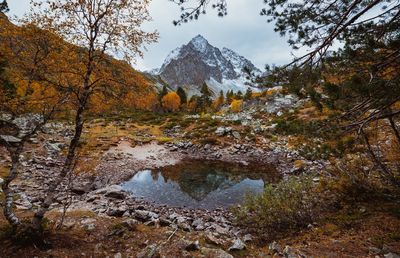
[(198, 61)]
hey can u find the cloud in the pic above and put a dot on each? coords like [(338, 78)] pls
[(242, 30)]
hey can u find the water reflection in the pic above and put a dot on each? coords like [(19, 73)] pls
[(199, 184)]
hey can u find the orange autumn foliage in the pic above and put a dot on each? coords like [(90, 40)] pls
[(171, 101), (122, 87)]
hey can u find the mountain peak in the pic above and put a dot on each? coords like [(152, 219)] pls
[(199, 43), (198, 61)]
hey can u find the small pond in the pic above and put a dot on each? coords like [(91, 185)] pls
[(200, 184)]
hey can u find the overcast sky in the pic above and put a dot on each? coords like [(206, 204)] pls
[(243, 31)]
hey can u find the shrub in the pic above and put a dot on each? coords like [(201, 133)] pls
[(286, 206), (171, 101), (236, 105)]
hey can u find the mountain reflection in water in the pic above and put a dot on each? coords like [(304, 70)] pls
[(199, 184)]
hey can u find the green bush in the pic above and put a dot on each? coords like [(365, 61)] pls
[(289, 205)]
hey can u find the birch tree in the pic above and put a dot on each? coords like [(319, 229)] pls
[(99, 28), (26, 53)]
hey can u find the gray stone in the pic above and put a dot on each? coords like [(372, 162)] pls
[(89, 227), (221, 230), (118, 255), (289, 252), (141, 214), (184, 226), (9, 139), (236, 135), (274, 247), (117, 211), (221, 131), (215, 253), (164, 222), (391, 255), (210, 239), (130, 223), (198, 222), (112, 191), (149, 252), (237, 245), (248, 238), (145, 215), (193, 246)]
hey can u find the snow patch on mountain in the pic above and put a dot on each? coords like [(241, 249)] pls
[(174, 54), (198, 61), (199, 43), (239, 62), (236, 85)]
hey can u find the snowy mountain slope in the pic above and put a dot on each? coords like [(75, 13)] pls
[(198, 61)]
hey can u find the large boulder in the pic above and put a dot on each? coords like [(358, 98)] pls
[(112, 191)]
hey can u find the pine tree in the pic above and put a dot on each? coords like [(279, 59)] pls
[(4, 7), (239, 95), (6, 86), (229, 96), (205, 98), (248, 94), (182, 95), (221, 96), (163, 92)]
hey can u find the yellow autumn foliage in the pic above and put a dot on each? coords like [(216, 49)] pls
[(236, 105)]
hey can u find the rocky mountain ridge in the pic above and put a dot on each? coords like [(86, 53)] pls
[(191, 65)]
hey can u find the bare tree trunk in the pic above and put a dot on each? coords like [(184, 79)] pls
[(386, 173), (8, 193), (68, 163), (395, 130)]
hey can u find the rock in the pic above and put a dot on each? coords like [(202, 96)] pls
[(164, 222), (79, 190), (279, 103), (112, 191), (197, 222), (130, 223), (53, 147), (237, 245), (9, 139), (215, 253), (117, 211), (391, 255), (221, 131), (23, 203), (248, 238), (1, 181), (210, 239), (274, 247), (374, 250), (221, 230), (236, 135), (193, 246), (149, 252), (118, 255), (184, 226), (69, 225), (89, 227), (144, 215), (288, 252)]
